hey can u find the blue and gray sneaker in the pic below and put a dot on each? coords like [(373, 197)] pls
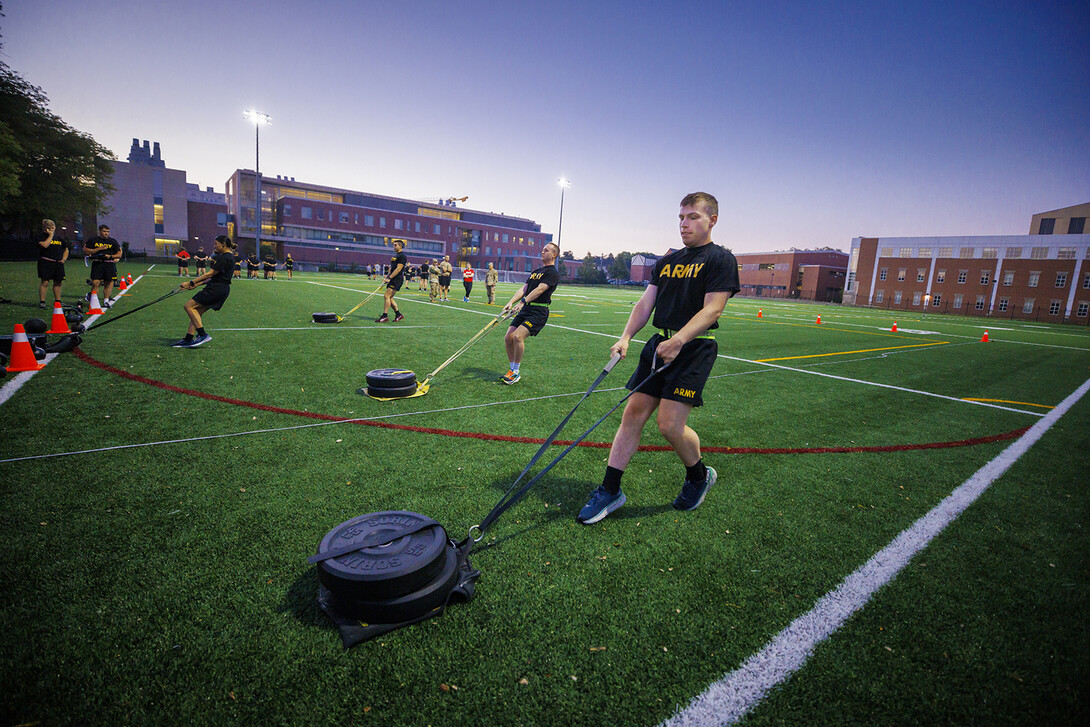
[(201, 339), (182, 343), (601, 503), (692, 493)]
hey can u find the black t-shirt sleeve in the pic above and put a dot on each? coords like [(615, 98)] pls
[(723, 274)]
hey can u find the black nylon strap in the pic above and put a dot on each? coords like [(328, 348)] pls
[(115, 318), (353, 547)]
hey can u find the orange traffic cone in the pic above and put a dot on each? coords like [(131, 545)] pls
[(984, 338), (894, 329), (60, 323), (759, 313), (130, 278), (818, 321), (96, 307), (122, 285), (22, 353)]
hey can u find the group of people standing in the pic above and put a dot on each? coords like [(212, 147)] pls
[(253, 265), (102, 252)]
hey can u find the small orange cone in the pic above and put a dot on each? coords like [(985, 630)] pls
[(122, 285), (984, 338), (60, 323), (22, 353), (130, 278), (894, 329), (759, 313), (818, 321), (96, 307)]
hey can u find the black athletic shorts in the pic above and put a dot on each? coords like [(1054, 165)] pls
[(396, 283), (183, 263), (444, 281), (103, 270), (684, 379), (51, 270), (533, 317), (213, 295)]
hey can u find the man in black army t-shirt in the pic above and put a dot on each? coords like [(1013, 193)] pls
[(536, 296), (399, 263), (687, 293)]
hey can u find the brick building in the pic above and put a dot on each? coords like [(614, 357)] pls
[(1041, 276), (148, 209), (806, 274)]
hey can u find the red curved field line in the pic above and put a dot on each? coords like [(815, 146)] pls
[(533, 440)]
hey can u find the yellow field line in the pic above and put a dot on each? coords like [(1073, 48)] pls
[(827, 326), (843, 353), (1004, 401)]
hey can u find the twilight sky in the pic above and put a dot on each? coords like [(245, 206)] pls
[(811, 122)]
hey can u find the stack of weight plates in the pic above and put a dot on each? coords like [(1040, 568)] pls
[(390, 383), (405, 568)]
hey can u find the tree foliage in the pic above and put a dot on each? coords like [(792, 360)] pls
[(47, 168), (620, 266), (588, 272)]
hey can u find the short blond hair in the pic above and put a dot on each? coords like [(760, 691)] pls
[(49, 223)]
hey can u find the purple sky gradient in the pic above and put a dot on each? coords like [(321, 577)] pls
[(811, 122)]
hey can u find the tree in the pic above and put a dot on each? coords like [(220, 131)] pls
[(589, 272), (47, 168), (620, 267)]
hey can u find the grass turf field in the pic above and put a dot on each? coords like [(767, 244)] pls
[(155, 559)]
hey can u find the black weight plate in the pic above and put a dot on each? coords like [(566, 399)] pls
[(389, 571), (381, 393), (73, 317), (325, 317), (35, 325), (390, 378), (408, 606)]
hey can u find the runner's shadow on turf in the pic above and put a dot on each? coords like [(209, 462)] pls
[(481, 374)]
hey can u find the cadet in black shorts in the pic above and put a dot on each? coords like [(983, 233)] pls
[(536, 296), (289, 265), (105, 252), (398, 264), (213, 296), (687, 293), (51, 259), (251, 266)]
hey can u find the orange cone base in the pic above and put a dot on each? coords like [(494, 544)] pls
[(984, 338), (96, 307), (818, 321), (894, 329), (22, 353)]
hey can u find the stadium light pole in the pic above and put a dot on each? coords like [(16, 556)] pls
[(564, 184), (259, 119)]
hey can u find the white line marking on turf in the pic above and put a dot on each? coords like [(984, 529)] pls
[(736, 694)]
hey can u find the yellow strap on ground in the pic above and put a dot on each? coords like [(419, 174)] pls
[(1004, 401), (844, 353)]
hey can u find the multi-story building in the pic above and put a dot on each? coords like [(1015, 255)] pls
[(1041, 276), (806, 274), (329, 226), (207, 212), (148, 209)]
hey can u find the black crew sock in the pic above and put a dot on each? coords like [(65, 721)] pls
[(188, 337), (200, 332), (612, 481), (697, 473)]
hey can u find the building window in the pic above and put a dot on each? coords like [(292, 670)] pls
[(1027, 306), (1086, 282), (369, 220), (1008, 278), (990, 253), (221, 219), (399, 224), (985, 277), (437, 229), (344, 218), (906, 252), (879, 295), (980, 302), (382, 222), (1076, 226), (1061, 280), (287, 210), (921, 275), (886, 252), (307, 213), (487, 250), (416, 226), (1034, 278), (968, 252), (883, 273), (1048, 224), (925, 252), (1065, 253), (356, 218), (916, 298), (963, 275), (1054, 308), (1081, 310), (946, 252), (1003, 304), (896, 297), (1038, 253), (940, 276), (901, 273), (506, 238), (1013, 252), (957, 301), (936, 300)]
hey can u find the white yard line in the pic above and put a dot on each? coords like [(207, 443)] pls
[(737, 693)]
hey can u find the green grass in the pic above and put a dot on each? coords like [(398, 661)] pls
[(168, 584)]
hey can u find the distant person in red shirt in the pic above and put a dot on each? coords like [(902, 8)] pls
[(467, 281), (183, 262)]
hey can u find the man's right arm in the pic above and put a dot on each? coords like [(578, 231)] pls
[(637, 319)]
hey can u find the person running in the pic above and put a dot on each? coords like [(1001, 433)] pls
[(252, 264), (183, 262), (289, 265), (491, 277), (536, 295), (51, 259), (687, 293), (445, 271), (212, 296), (396, 277), (467, 282), (202, 261), (105, 252)]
